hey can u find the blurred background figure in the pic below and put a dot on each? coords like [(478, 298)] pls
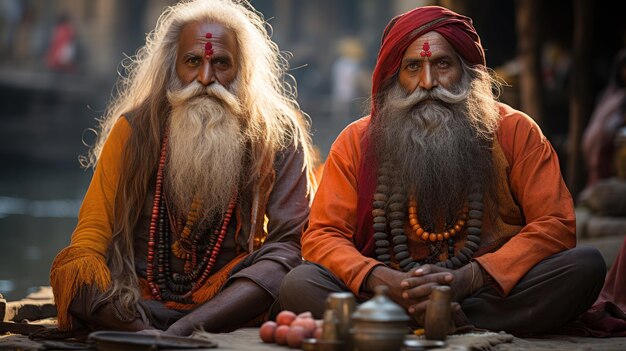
[(608, 116), (348, 76), (10, 17), (556, 62), (62, 52), (601, 211)]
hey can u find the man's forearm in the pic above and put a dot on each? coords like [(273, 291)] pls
[(239, 303), (382, 275)]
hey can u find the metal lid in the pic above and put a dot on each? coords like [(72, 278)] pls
[(380, 308)]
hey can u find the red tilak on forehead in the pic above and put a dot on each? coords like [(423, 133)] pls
[(208, 47), (425, 50)]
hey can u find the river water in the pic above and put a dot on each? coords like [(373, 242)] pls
[(38, 211)]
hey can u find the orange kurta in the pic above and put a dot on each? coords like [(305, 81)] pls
[(535, 217), (270, 216)]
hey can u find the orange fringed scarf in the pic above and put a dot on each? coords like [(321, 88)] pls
[(210, 288), (73, 268)]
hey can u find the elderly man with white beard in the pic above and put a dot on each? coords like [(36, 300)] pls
[(202, 183), (443, 185)]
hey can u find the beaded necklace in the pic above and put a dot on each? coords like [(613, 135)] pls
[(388, 211), (422, 233), (199, 253)]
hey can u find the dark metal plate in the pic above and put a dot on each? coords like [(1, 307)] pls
[(117, 340)]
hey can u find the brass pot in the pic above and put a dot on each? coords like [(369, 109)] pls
[(344, 304), (438, 321), (379, 324)]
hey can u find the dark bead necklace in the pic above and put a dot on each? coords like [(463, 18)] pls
[(388, 212), (199, 251)]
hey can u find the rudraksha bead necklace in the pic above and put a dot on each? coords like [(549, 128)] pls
[(199, 251), (388, 212)]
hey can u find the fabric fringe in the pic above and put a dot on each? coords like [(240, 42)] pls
[(73, 268), (210, 288)]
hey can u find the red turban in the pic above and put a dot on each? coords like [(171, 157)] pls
[(401, 31)]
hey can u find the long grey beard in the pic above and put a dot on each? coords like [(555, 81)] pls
[(205, 156), (435, 151)]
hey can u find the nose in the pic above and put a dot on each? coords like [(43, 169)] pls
[(427, 80), (206, 75)]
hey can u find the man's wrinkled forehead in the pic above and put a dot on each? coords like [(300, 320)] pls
[(207, 38), (430, 46)]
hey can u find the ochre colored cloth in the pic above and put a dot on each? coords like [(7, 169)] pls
[(72, 268), (535, 216), (93, 232), (403, 29), (270, 216)]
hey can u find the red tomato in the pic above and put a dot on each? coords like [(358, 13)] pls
[(308, 324), (267, 331), (295, 336), (281, 334), (285, 318)]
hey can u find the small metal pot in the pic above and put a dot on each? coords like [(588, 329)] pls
[(438, 322), (344, 304), (379, 324)]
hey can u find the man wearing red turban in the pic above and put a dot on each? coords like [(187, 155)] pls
[(443, 185)]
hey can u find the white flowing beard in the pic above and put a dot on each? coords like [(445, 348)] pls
[(206, 148)]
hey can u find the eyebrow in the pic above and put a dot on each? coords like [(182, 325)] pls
[(198, 54), (419, 59), (413, 60), (192, 54)]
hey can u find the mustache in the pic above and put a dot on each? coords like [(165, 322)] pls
[(215, 91), (420, 95)]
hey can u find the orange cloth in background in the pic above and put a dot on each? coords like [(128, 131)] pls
[(535, 215)]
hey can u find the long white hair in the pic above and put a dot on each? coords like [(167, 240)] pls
[(268, 99), (274, 120)]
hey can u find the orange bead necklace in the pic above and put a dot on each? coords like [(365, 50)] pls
[(434, 236)]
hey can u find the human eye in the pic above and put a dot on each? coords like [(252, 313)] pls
[(412, 66), (193, 60), (221, 62), (443, 64)]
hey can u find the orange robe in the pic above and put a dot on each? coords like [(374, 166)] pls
[(270, 216), (535, 216)]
